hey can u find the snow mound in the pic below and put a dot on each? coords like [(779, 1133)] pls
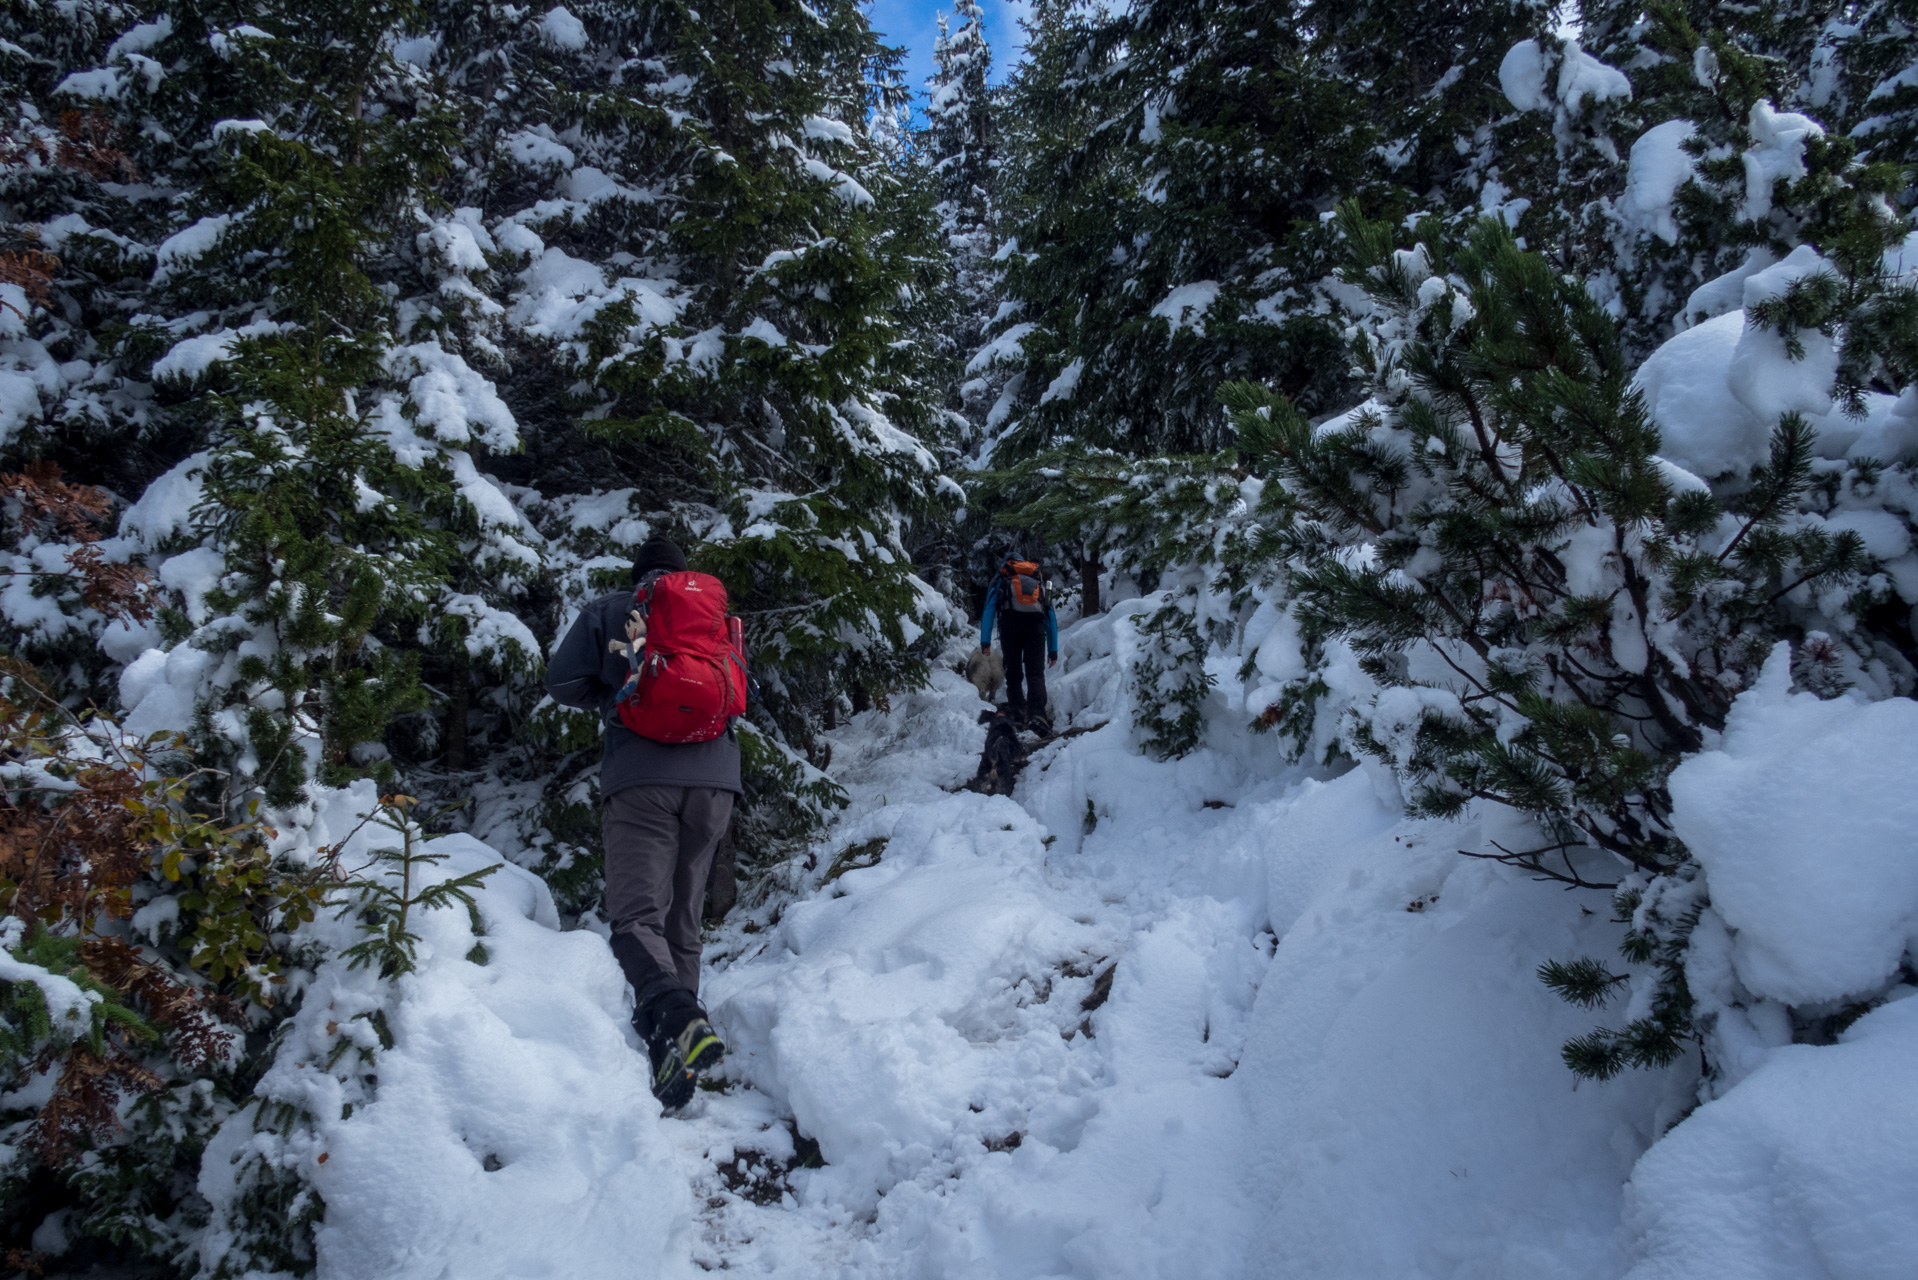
[(1185, 306), (562, 30), (880, 1029), (1806, 1168), (1763, 375), (1777, 153), (1048, 1036), (1581, 77), (1411, 1114), (511, 1124), (1521, 76), (1803, 819), (1724, 293), (1717, 390), (1705, 428), (1658, 167)]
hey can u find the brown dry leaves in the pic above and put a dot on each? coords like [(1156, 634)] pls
[(51, 505), (76, 833)]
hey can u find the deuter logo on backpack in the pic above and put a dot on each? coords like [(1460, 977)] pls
[(1025, 589), (690, 678)]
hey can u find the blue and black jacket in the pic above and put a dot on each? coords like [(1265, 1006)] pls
[(992, 614)]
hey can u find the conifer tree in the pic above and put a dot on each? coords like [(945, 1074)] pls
[(1869, 72), (318, 460), (788, 374), (709, 294), (1431, 69), (1738, 152), (1554, 615), (1174, 164), (961, 151)]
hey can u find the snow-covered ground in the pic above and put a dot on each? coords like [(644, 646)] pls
[(1214, 1017), (1315, 1045)]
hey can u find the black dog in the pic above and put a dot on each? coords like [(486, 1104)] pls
[(999, 762)]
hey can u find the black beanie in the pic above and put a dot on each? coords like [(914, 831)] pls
[(658, 553)]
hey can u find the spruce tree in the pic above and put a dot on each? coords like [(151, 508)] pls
[(1174, 164), (709, 298), (1432, 69), (960, 147), (1870, 75), (787, 383), (214, 222)]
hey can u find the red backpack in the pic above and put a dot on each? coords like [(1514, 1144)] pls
[(690, 676)]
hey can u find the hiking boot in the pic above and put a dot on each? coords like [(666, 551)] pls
[(678, 1060)]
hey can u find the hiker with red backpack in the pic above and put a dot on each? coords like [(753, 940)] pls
[(1021, 603), (665, 669)]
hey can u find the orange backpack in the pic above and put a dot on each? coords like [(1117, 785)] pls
[(1025, 589)]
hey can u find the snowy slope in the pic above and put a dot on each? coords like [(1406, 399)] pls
[(1322, 1052), (507, 1126), (1213, 1017)]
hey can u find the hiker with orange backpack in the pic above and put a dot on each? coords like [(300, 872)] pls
[(665, 669), (1021, 603)]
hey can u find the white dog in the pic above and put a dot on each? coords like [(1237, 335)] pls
[(987, 671)]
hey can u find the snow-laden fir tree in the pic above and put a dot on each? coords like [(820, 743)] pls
[(1165, 172), (960, 147), (1867, 66), (700, 293), (1170, 166), (1171, 171), (204, 208), (1745, 134)]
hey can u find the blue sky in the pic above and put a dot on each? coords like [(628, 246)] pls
[(915, 25)]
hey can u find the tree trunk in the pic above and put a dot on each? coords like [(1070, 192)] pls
[(457, 705), (1089, 583)]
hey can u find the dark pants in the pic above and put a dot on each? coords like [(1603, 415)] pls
[(659, 849), (1023, 637)]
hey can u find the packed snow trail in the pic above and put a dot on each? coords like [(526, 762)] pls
[(948, 1024)]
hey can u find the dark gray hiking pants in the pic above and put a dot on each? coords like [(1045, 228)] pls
[(659, 848)]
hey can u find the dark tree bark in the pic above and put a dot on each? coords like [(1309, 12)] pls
[(457, 706), (1089, 582)]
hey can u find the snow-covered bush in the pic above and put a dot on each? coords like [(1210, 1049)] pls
[(1555, 614), (141, 941), (1170, 681)]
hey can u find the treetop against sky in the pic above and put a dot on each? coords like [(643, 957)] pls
[(914, 25)]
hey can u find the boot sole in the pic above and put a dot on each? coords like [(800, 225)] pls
[(676, 1082)]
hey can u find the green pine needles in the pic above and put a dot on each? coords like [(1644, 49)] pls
[(44, 1013), (1169, 680), (1554, 614), (385, 895), (1592, 609)]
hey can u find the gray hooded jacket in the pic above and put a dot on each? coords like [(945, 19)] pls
[(585, 674)]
